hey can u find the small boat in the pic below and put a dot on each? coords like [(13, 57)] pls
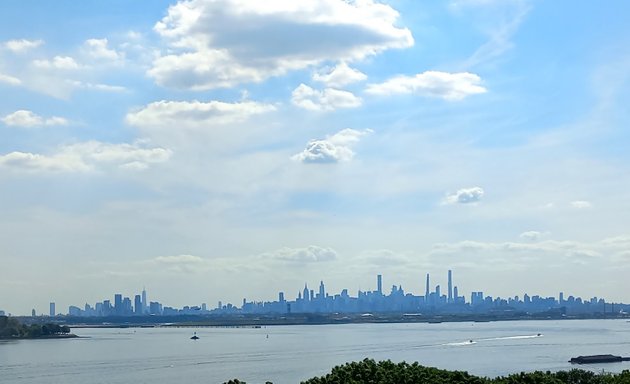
[(194, 336)]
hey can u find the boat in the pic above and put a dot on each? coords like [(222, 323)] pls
[(597, 359), (194, 336)]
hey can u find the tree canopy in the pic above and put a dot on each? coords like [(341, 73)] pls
[(369, 371), (11, 328)]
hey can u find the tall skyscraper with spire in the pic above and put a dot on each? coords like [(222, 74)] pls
[(450, 286), (144, 301)]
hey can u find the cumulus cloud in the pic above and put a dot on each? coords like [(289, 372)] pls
[(195, 113), (58, 62), (87, 156), (533, 235), (221, 43), (9, 80), (443, 85), (465, 196), (326, 100), (310, 254), (332, 149), (27, 119), (22, 45), (96, 86), (581, 204), (339, 76), (98, 49)]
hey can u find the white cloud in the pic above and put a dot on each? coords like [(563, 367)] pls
[(25, 118), (87, 156), (465, 196), (179, 259), (332, 149), (532, 235), (97, 86), (58, 62), (310, 254), (581, 204), (98, 49), (22, 45), (326, 100), (444, 85), (195, 113), (9, 80), (221, 43), (339, 76)]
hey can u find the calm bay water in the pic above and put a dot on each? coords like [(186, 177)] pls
[(288, 354)]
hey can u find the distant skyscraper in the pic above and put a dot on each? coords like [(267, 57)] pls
[(561, 298), (450, 286), (379, 284), (322, 290), (428, 290), (118, 304), (33, 313), (281, 297), (455, 293), (305, 295), (52, 310), (137, 305), (145, 304)]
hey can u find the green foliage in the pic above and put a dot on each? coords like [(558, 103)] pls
[(386, 372), (11, 328)]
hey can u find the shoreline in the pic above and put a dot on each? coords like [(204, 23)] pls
[(47, 337), (310, 319)]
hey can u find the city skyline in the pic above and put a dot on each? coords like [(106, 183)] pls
[(434, 299), (218, 149)]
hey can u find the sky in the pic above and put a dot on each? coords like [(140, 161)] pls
[(226, 149)]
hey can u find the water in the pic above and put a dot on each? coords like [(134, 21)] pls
[(293, 353)]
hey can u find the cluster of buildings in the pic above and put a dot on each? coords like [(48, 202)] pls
[(434, 301)]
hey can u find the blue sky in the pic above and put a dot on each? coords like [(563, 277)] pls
[(220, 149)]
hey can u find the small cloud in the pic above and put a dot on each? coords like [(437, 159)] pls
[(22, 45), (332, 149), (27, 119), (581, 204), (443, 85), (465, 196), (98, 49), (310, 254), (9, 80), (182, 263), (195, 113), (339, 76), (533, 235), (179, 259), (97, 86), (328, 99), (58, 62)]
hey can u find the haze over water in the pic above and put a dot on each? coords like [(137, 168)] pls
[(293, 353)]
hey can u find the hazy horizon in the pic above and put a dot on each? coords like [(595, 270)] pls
[(227, 149)]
